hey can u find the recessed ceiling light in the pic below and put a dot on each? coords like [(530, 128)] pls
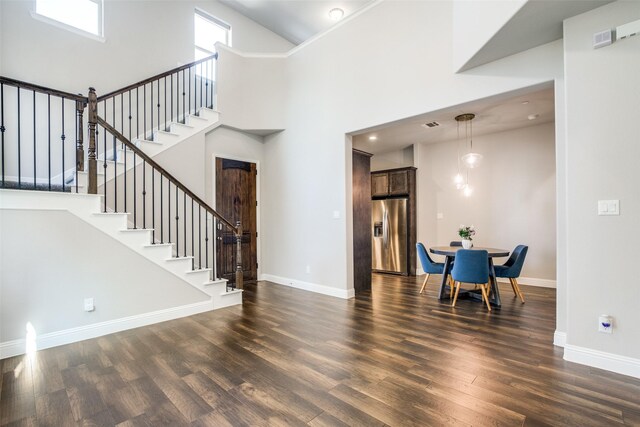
[(373, 138), (533, 116), (525, 102), (336, 13)]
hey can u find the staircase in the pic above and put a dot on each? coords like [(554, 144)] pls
[(119, 188)]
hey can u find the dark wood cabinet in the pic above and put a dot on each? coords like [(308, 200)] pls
[(395, 183), (399, 183), (361, 171)]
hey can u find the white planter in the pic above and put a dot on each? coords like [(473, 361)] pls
[(467, 244)]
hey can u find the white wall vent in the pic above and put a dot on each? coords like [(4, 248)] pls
[(602, 39)]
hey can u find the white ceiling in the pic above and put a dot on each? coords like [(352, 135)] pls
[(496, 114), (536, 23), (294, 20)]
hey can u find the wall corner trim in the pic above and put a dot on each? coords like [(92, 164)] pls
[(559, 338), (67, 336), (312, 287), (599, 359)]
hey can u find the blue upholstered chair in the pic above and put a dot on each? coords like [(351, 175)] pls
[(512, 268), (428, 265), (471, 266), (455, 243)]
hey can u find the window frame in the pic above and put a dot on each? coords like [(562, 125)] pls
[(215, 21), (52, 21)]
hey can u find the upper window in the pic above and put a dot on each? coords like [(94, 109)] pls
[(208, 31), (84, 15)]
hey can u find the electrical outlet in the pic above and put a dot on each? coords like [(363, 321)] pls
[(88, 304), (605, 324)]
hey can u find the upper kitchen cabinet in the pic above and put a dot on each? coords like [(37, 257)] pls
[(392, 182)]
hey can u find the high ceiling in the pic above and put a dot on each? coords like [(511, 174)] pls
[(294, 20), (536, 23)]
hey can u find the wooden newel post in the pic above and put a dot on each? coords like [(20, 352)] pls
[(92, 119), (239, 273), (80, 140)]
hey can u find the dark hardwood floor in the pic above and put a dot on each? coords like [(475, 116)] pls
[(289, 357)]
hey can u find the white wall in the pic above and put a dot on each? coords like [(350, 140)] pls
[(357, 77), (393, 159), (143, 38), (476, 22), (51, 260), (602, 93), (513, 200)]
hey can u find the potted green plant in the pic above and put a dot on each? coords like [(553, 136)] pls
[(466, 233)]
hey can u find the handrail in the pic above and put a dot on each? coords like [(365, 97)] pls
[(156, 77), (42, 89), (170, 177)]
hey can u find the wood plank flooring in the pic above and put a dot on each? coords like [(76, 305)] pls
[(293, 358)]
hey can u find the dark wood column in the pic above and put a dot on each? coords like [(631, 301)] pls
[(361, 221)]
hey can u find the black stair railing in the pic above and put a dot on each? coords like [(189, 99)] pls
[(155, 198), (41, 136), (142, 109)]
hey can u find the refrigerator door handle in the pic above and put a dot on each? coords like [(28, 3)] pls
[(385, 229)]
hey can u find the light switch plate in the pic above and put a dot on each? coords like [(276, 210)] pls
[(440, 215), (608, 207)]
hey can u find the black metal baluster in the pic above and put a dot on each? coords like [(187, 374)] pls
[(177, 226), (193, 252), (171, 118), (124, 153), (35, 173), (214, 243), (161, 209), (189, 91), (153, 203), (144, 112), (201, 79), (206, 239), (48, 139), (19, 167), (115, 162), (138, 112), (184, 222), (104, 163), (130, 116), (184, 112), (158, 86), (195, 92), (206, 87), (121, 114), (62, 138), (144, 194), (169, 210), (165, 103), (135, 194), (199, 236), (76, 152), (2, 133), (151, 111)]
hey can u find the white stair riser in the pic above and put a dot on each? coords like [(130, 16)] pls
[(227, 299), (178, 265), (110, 222), (135, 238)]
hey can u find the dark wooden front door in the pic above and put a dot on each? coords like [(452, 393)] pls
[(236, 201)]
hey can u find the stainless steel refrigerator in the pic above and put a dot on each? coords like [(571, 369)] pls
[(390, 251)]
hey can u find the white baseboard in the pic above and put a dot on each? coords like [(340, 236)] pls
[(313, 287), (559, 338), (532, 281), (67, 336), (599, 359)]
